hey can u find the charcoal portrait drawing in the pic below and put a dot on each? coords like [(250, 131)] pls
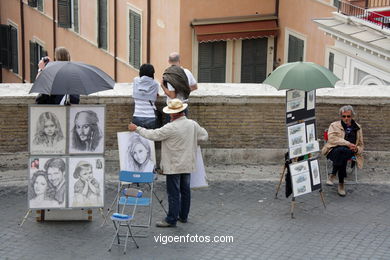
[(86, 130), (47, 130), (86, 182), (136, 152)]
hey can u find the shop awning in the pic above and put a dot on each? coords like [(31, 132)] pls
[(228, 28)]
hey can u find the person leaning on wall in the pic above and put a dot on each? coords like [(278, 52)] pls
[(60, 54), (345, 140)]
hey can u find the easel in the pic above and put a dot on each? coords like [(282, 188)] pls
[(293, 198), (41, 213)]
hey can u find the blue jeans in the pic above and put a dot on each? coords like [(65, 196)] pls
[(179, 197), (145, 122)]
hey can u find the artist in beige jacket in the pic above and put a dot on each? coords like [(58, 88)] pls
[(179, 141), (345, 139)]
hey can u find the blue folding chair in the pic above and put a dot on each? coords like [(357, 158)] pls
[(145, 181), (121, 219)]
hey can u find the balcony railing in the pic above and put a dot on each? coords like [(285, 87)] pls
[(381, 18)]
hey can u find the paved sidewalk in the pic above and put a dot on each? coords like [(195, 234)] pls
[(354, 227)]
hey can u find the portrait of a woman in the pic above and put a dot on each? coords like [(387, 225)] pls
[(41, 191), (48, 131), (138, 156)]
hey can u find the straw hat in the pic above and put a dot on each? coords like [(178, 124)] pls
[(174, 106)]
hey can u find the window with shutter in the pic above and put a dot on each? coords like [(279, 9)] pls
[(75, 15), (212, 62), (64, 13), (33, 3), (102, 24), (40, 5), (33, 61), (14, 50), (5, 39), (36, 53), (254, 60), (295, 49), (134, 39)]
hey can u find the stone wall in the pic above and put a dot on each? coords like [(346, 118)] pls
[(246, 123)]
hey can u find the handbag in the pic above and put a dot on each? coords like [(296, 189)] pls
[(158, 114)]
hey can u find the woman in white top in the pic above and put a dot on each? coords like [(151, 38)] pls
[(145, 92)]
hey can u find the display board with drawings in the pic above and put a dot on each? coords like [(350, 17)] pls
[(58, 177), (305, 177), (299, 105), (302, 138)]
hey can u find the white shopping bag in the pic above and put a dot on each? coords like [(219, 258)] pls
[(198, 178)]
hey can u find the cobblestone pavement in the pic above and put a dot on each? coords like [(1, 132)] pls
[(354, 227)]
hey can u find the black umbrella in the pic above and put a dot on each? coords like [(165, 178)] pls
[(71, 78)]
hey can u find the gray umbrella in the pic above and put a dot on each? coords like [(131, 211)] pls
[(72, 78)]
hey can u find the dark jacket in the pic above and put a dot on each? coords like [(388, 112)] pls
[(178, 79), (55, 99)]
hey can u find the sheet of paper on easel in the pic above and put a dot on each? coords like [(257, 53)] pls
[(198, 178)]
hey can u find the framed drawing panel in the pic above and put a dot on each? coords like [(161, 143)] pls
[(299, 105), (86, 129), (136, 153), (86, 182), (47, 129), (48, 182)]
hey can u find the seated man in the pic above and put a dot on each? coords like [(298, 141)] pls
[(345, 139)]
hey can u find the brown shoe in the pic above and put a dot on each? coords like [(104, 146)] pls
[(330, 180), (341, 190), (163, 223)]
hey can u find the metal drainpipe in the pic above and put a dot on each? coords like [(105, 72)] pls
[(115, 44), (22, 40), (54, 29), (149, 12), (276, 37)]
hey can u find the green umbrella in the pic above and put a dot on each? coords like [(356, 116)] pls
[(301, 75)]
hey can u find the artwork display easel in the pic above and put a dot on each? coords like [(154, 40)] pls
[(66, 165), (300, 162)]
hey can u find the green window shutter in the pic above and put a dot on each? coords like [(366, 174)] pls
[(76, 15), (14, 50), (32, 3), (295, 49), (254, 60), (5, 47), (40, 5), (64, 13), (33, 61), (135, 39), (102, 13), (212, 62)]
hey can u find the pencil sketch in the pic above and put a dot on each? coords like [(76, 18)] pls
[(136, 153), (47, 127), (296, 134), (310, 100), (86, 182), (315, 172), (301, 183), (295, 100), (310, 133), (87, 129), (47, 183)]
